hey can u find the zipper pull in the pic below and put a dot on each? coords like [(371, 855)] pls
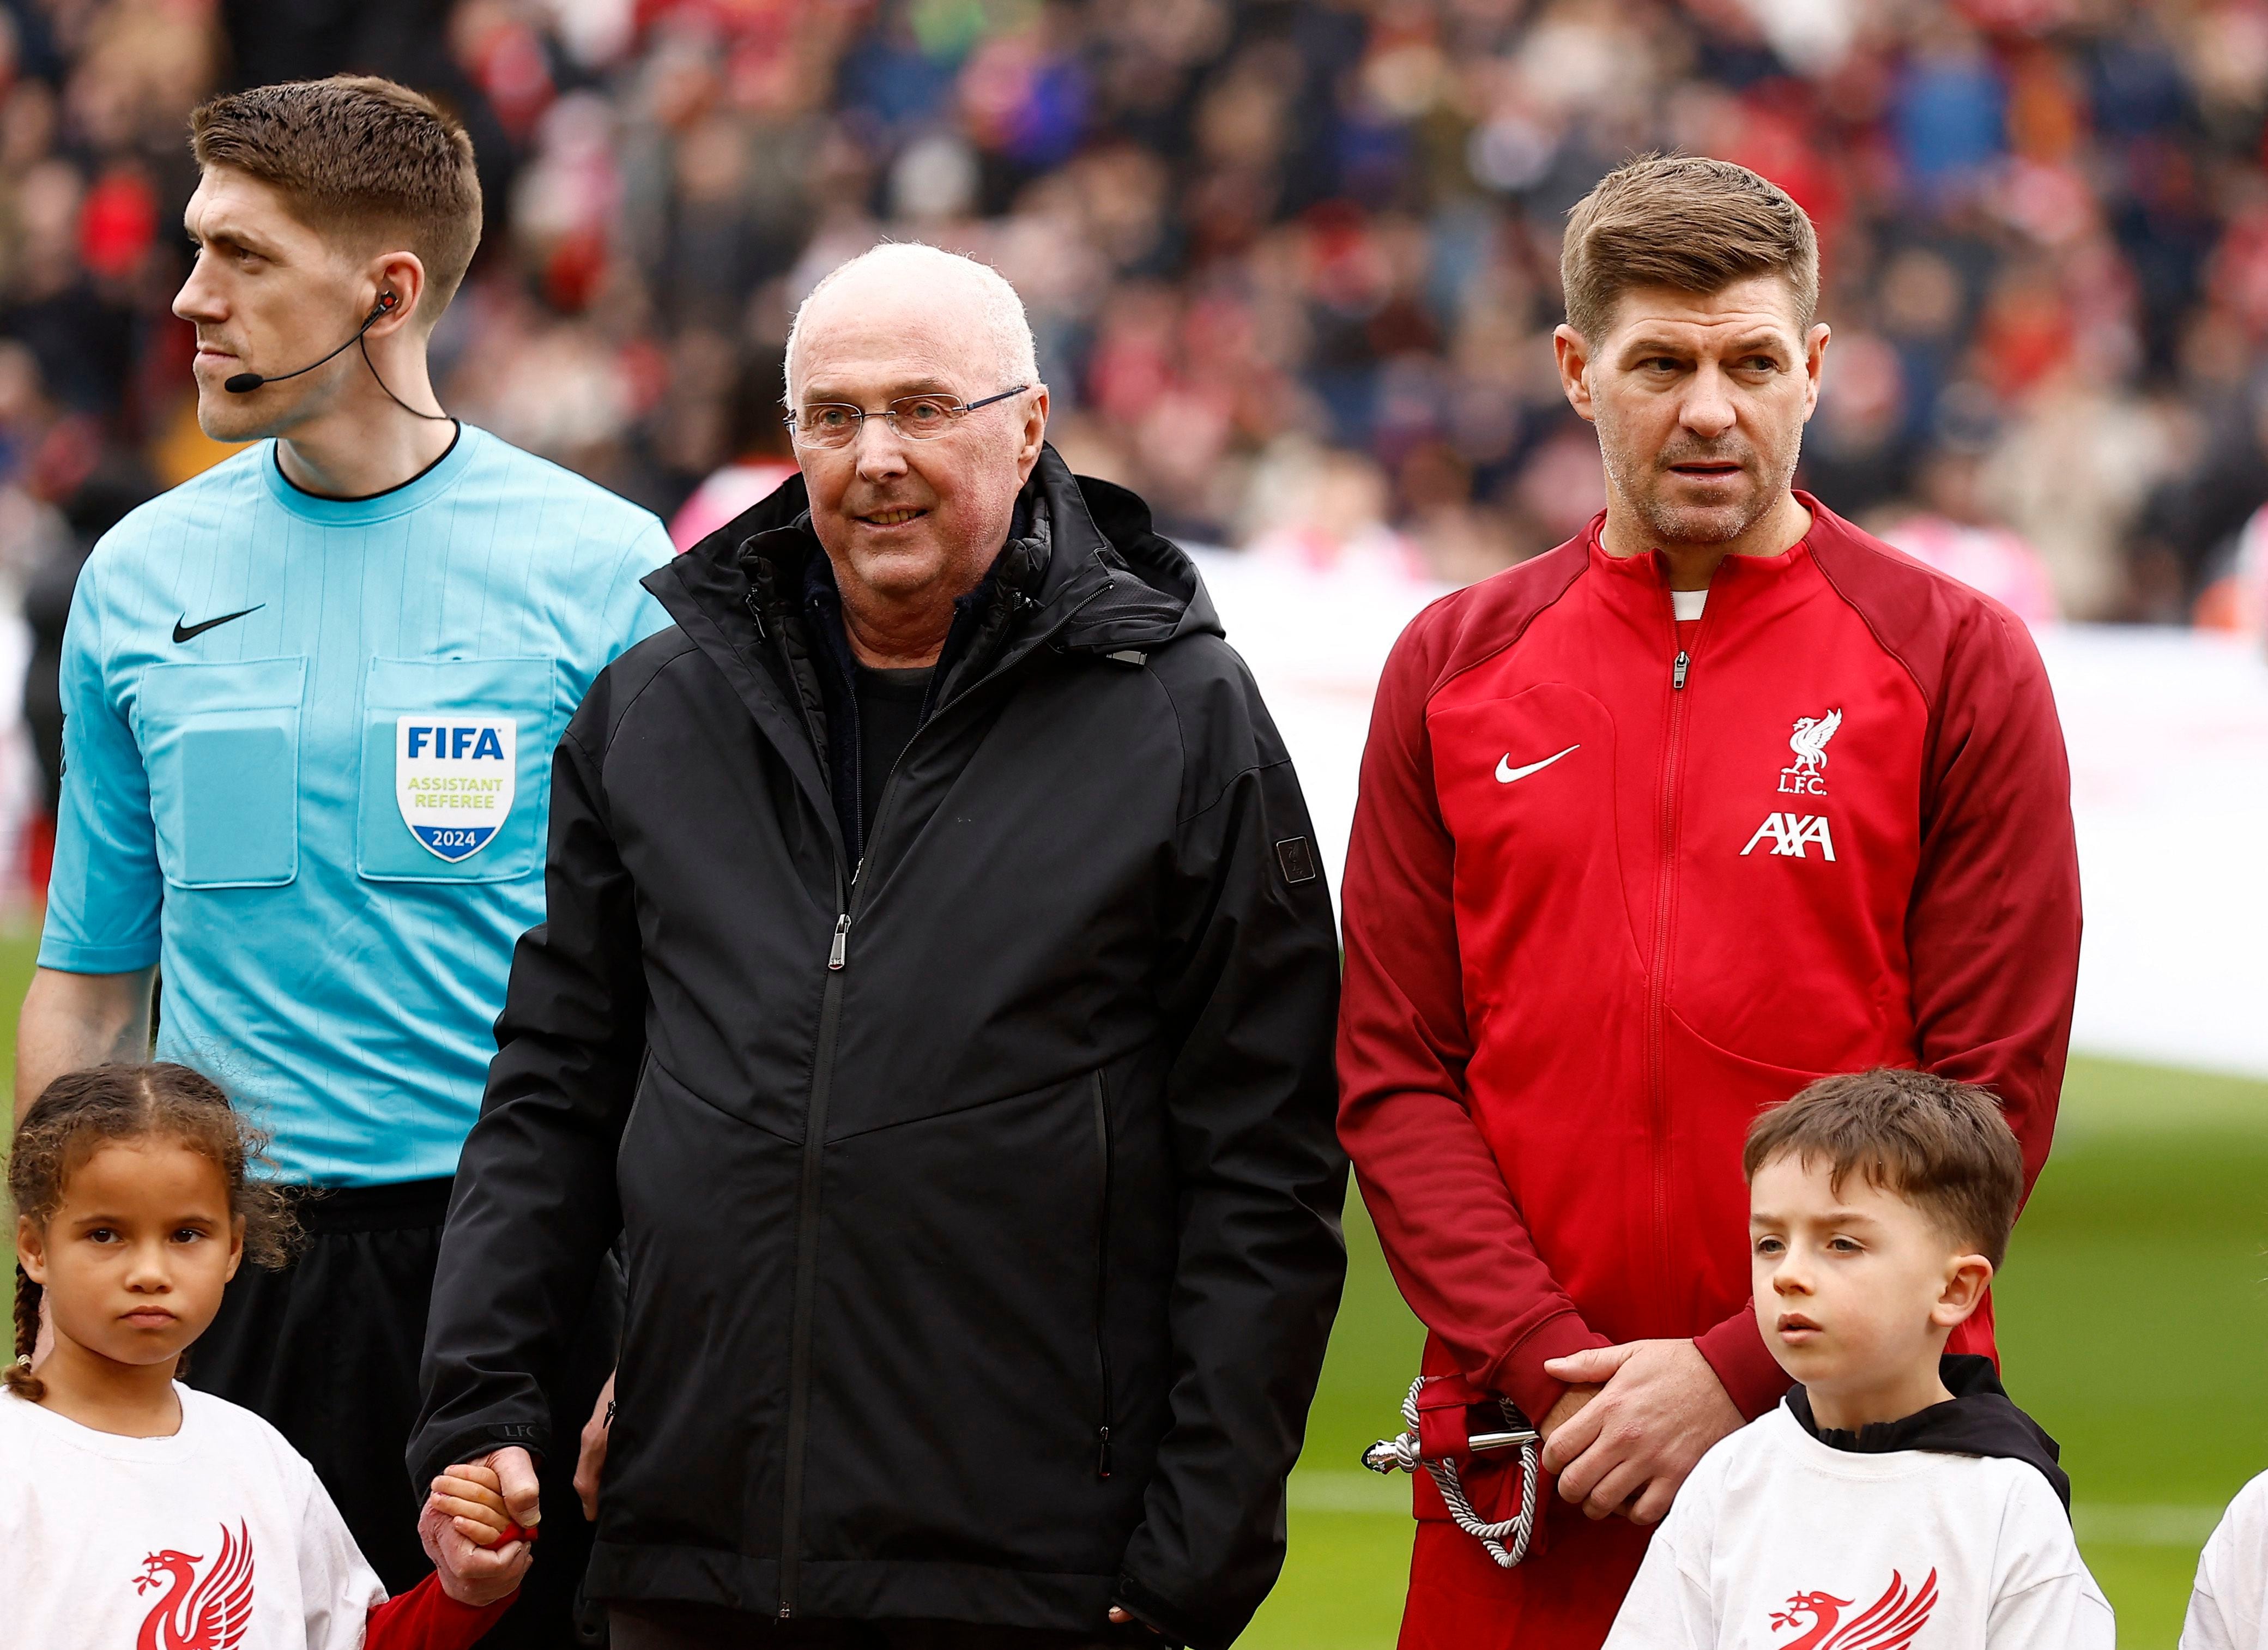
[(1677, 671), (1102, 1452), (756, 612), (841, 937)]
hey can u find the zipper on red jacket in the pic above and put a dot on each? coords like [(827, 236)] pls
[(1657, 988)]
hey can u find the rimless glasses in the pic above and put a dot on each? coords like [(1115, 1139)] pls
[(835, 424)]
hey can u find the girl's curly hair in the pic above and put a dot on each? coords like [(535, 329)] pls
[(81, 1112)]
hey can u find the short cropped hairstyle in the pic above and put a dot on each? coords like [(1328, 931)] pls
[(1942, 1146), (359, 158), (1000, 310), (1684, 222)]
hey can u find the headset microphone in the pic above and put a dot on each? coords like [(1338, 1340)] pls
[(244, 383)]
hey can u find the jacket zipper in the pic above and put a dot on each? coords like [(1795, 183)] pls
[(807, 1231), (806, 1234), (1658, 979), (1102, 1279), (806, 1267), (806, 1216)]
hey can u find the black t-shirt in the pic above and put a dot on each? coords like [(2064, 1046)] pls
[(889, 710)]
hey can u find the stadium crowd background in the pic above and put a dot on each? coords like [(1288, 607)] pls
[(1292, 265)]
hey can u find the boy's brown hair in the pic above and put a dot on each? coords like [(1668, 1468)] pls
[(359, 158), (1684, 222), (1940, 1145)]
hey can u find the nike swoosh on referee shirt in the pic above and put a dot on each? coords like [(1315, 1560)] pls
[(1506, 773), (184, 632)]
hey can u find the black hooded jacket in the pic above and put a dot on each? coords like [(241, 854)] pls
[(1978, 1420), (980, 1193)]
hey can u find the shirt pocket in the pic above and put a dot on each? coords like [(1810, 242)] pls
[(456, 768), (221, 743)]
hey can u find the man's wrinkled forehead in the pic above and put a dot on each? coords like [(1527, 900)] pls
[(1759, 305), (878, 338)]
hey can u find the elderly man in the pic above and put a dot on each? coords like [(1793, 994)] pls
[(937, 994)]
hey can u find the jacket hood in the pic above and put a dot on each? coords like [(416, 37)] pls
[(1098, 575), (1979, 1419)]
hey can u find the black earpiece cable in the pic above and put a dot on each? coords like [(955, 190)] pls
[(244, 383)]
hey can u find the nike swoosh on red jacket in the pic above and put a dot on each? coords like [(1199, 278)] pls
[(1566, 998)]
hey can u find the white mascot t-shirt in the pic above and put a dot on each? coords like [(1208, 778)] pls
[(2229, 1610), (1780, 1542), (218, 1538)]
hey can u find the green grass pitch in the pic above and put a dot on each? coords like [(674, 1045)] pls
[(2134, 1324)]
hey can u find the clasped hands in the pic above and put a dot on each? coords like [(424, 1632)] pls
[(1635, 1419), (463, 1523)]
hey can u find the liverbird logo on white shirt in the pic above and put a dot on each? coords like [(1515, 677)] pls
[(190, 1614), (1809, 775), (1889, 1624)]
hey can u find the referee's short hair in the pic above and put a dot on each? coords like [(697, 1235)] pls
[(1941, 1145), (356, 157), (1688, 223)]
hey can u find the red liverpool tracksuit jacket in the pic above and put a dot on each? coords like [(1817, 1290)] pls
[(1617, 884)]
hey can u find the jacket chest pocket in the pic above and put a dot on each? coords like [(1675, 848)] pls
[(456, 767), (221, 743)]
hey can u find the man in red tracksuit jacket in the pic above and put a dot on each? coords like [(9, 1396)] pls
[(1717, 798)]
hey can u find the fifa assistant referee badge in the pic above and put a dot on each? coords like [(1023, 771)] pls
[(454, 777)]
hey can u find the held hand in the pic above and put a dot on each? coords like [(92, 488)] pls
[(1629, 1448), (475, 1503), (470, 1572), (592, 1458), (1119, 1618)]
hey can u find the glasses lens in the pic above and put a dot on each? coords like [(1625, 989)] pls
[(827, 425), (924, 417)]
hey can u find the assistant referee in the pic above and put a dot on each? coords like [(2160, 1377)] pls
[(310, 698)]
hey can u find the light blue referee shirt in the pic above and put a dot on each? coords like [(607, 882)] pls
[(307, 758)]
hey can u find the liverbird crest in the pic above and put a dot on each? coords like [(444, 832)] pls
[(1887, 1623), (211, 1614), (1809, 740)]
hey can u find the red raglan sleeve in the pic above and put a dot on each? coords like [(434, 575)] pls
[(427, 1618), (1992, 924), (1994, 928), (1457, 1243)]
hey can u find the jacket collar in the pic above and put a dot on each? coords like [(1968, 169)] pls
[(1093, 577), (1653, 568), (1101, 551)]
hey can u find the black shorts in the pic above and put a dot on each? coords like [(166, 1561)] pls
[(327, 1350)]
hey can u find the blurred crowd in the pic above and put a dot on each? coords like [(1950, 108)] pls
[(1293, 263)]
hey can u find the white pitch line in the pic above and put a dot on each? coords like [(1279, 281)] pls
[(2100, 1523)]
